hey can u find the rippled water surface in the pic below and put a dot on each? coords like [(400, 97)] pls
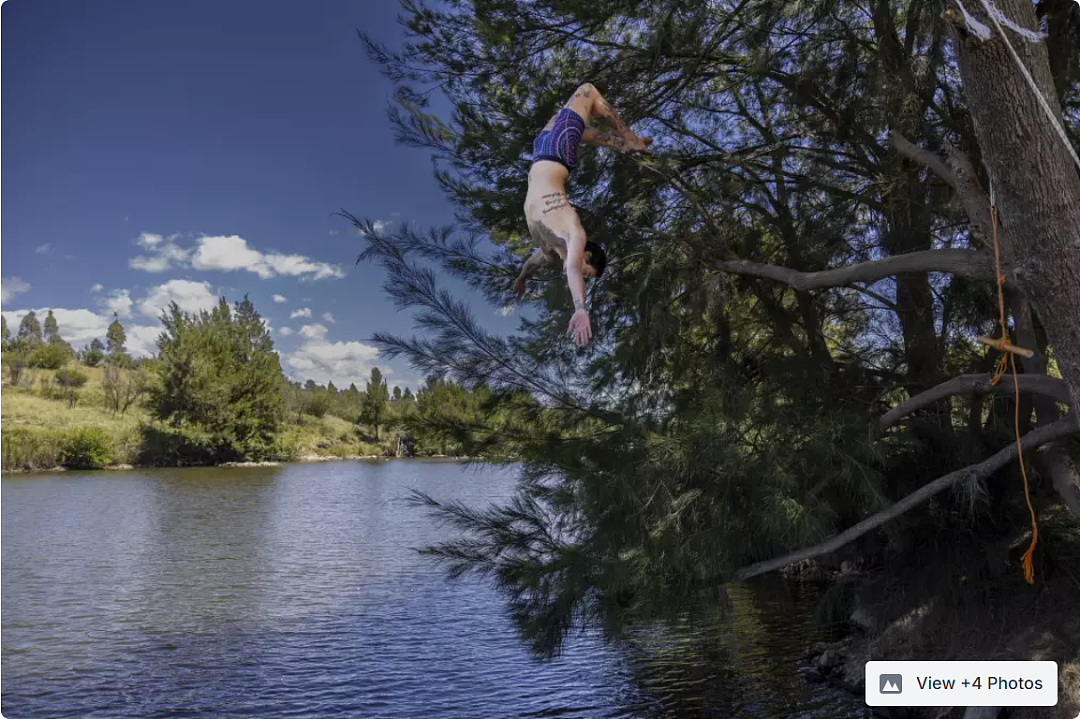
[(294, 591)]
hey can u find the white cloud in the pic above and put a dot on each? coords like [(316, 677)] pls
[(333, 232), (43, 249), (313, 332), (190, 296), (142, 339), (294, 265), (149, 264), (118, 301), (302, 312), (327, 317), (285, 332), (12, 286), (228, 254), (79, 327), (340, 362), (164, 253), (233, 253), (97, 288), (280, 298)]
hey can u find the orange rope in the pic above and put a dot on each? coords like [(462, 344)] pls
[(1004, 362)]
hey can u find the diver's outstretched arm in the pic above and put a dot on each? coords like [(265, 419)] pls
[(535, 261)]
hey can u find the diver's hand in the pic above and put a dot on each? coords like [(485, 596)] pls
[(580, 328), (519, 287), (633, 143)]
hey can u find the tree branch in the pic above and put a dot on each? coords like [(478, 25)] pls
[(972, 264), (972, 384), (957, 171), (930, 160), (1036, 438)]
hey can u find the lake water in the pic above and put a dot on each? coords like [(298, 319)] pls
[(294, 591)]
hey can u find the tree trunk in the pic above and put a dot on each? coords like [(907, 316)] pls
[(1036, 186), (1054, 457)]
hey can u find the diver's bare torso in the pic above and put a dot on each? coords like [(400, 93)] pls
[(544, 208)]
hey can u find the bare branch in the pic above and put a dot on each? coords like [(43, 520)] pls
[(930, 160), (972, 264), (972, 384), (957, 171), (1036, 438)]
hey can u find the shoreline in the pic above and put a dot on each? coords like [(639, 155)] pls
[(304, 459)]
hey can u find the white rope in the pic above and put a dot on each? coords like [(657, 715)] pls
[(1029, 35), (990, 10), (982, 32), (972, 25)]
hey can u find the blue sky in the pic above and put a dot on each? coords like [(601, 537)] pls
[(157, 151)]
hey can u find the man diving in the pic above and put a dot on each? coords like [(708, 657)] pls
[(553, 223)]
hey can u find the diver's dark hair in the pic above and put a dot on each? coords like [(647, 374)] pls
[(597, 259)]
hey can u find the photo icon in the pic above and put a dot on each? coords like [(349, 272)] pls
[(891, 683)]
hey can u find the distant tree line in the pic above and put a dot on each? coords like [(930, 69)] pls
[(217, 392)]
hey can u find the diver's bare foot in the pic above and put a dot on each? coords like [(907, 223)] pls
[(633, 143)]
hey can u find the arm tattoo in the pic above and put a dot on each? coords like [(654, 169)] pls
[(578, 304)]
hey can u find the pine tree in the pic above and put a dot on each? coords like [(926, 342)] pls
[(397, 393), (720, 417), (4, 333), (375, 400), (30, 329), (52, 329), (220, 375), (115, 338)]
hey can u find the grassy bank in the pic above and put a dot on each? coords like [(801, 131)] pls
[(38, 431)]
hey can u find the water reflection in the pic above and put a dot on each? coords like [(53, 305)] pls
[(294, 591)]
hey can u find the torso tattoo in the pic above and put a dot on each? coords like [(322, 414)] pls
[(553, 201), (545, 238)]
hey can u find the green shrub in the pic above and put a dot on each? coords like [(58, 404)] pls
[(286, 447), (119, 359), (71, 378), (69, 381), (50, 389), (178, 447), (30, 448), (86, 448), (50, 356), (17, 363), (93, 358), (127, 446), (317, 405)]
